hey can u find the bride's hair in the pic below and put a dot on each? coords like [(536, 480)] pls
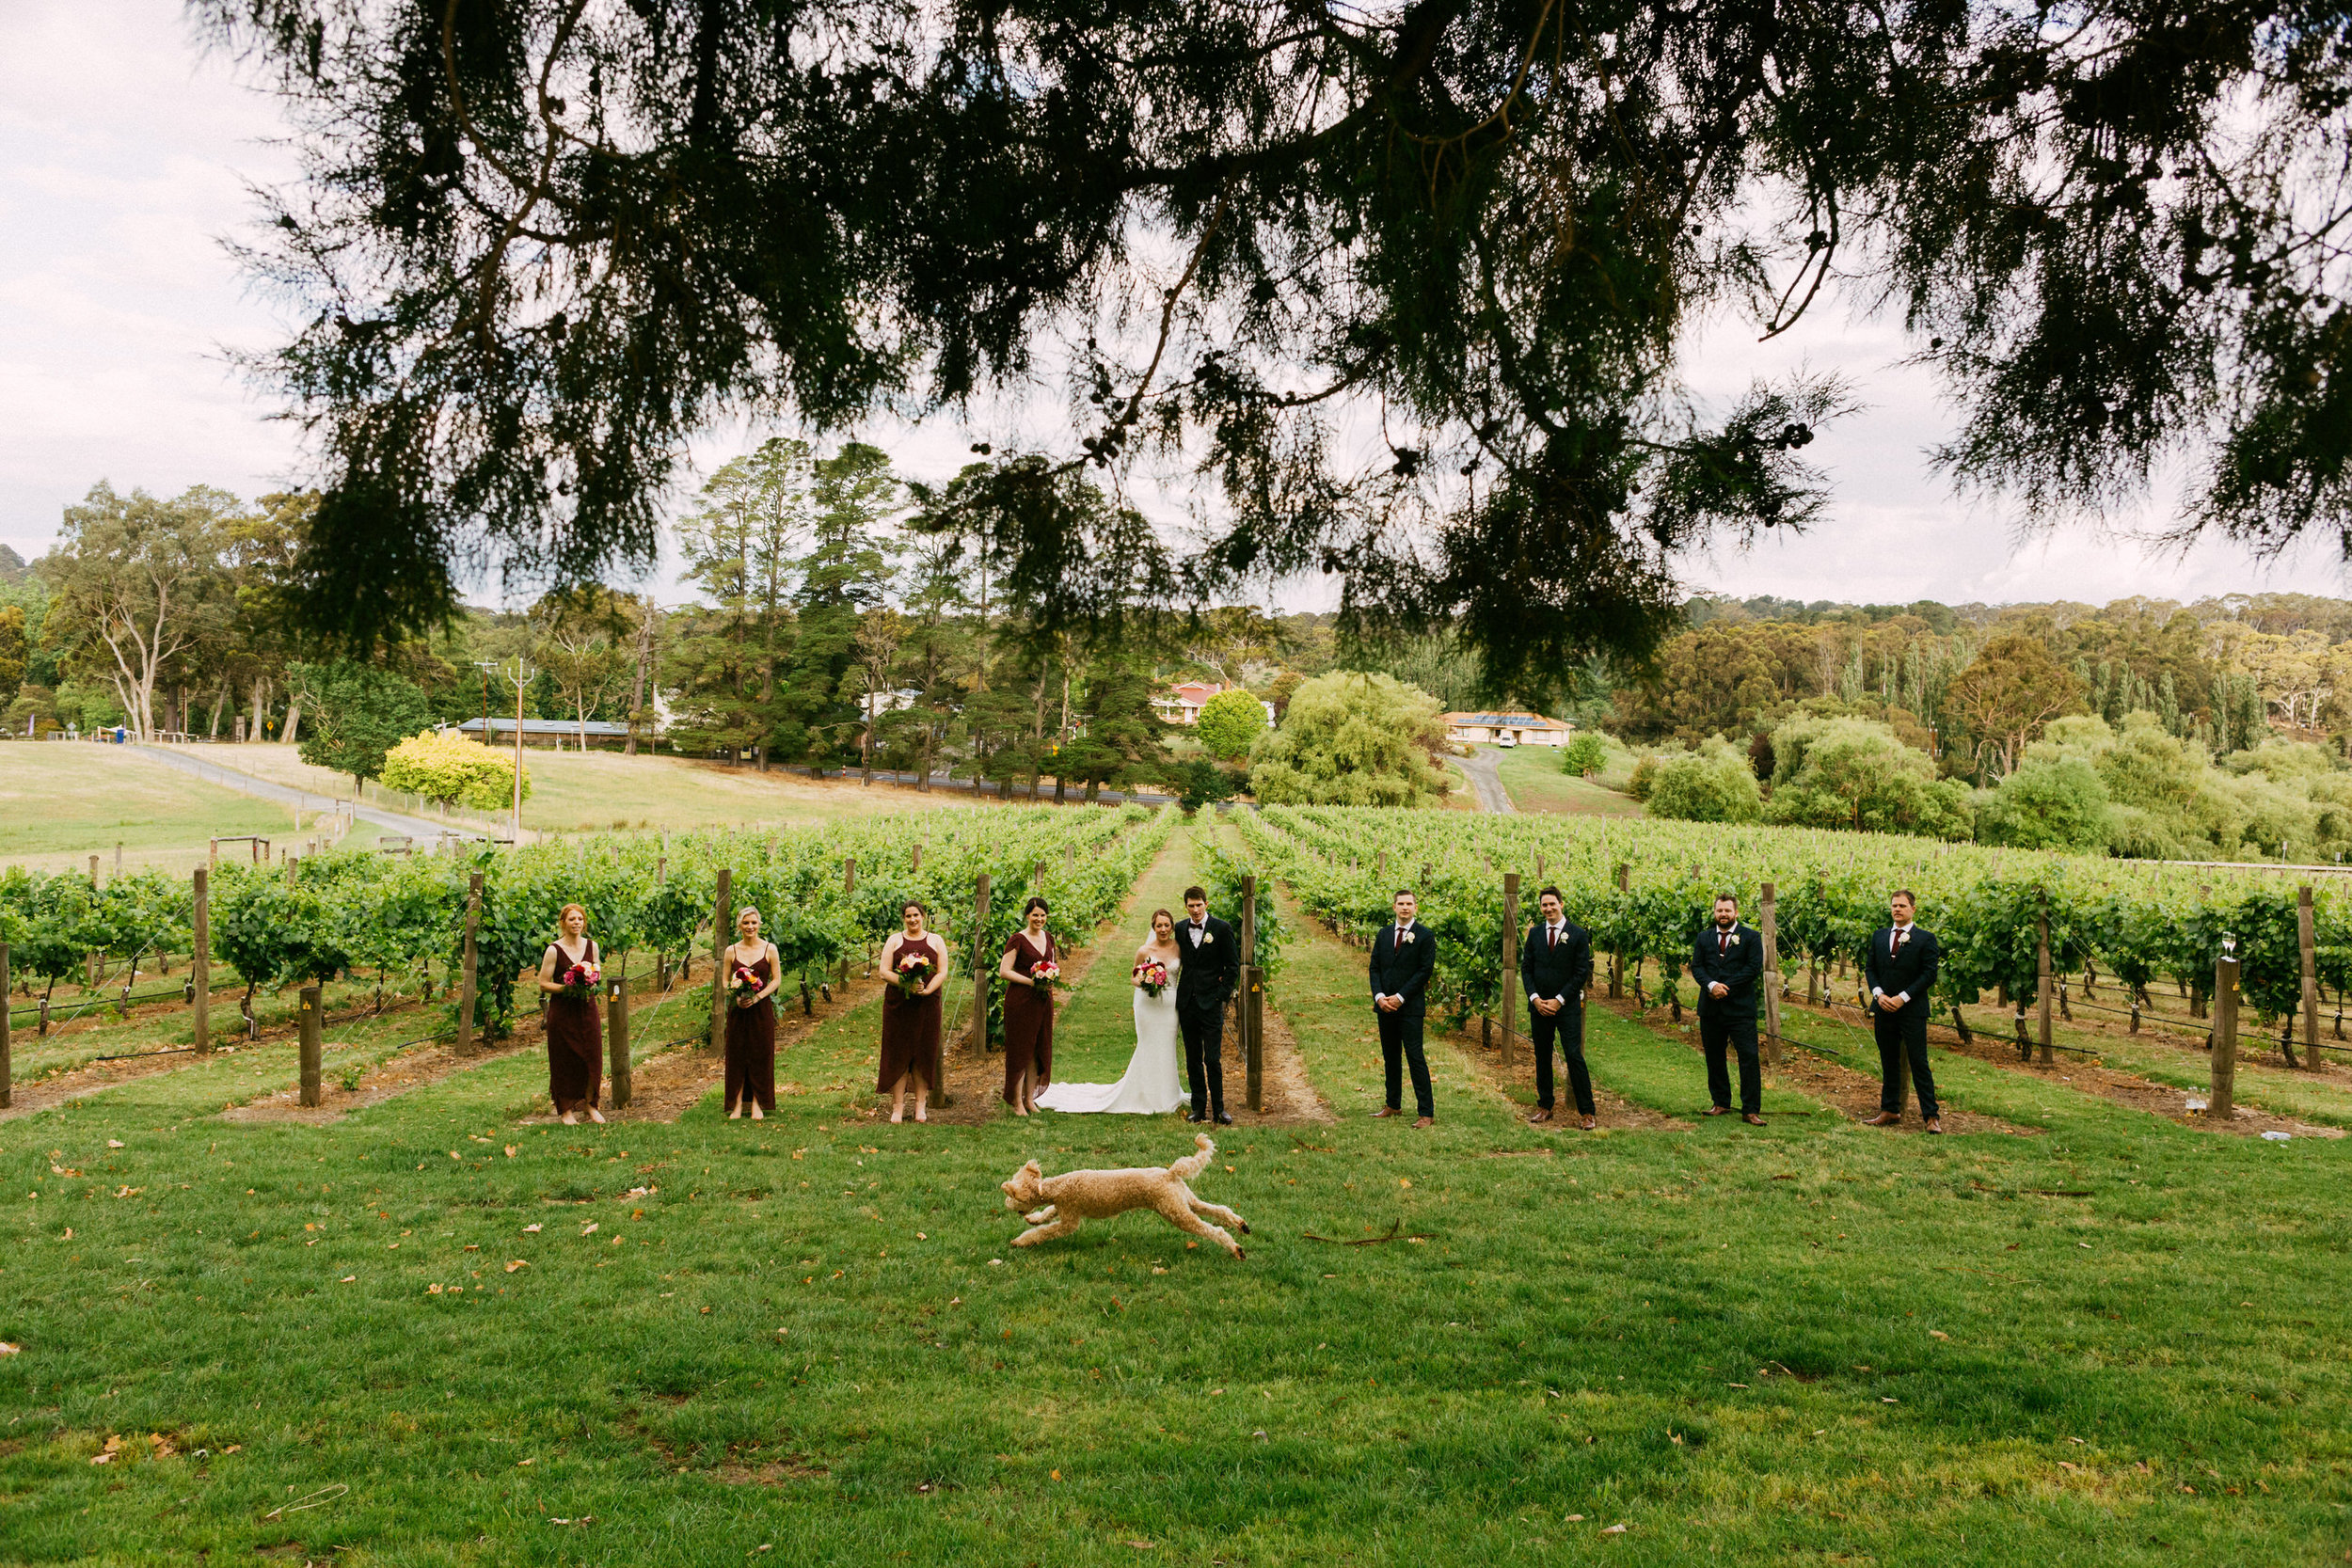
[(1158, 915)]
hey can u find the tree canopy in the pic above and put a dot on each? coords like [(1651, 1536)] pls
[(537, 245)]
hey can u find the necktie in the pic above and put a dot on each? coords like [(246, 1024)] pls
[(1723, 943), (1551, 935)]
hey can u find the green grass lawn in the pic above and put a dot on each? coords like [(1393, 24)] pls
[(61, 802), (1532, 776), (575, 792), (1811, 1343)]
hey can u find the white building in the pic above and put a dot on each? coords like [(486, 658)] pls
[(1507, 729)]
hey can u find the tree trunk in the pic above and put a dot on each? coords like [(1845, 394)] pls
[(219, 701), (294, 720)]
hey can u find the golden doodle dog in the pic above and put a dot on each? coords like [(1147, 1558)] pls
[(1075, 1196)]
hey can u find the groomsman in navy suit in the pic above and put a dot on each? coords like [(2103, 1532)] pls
[(1556, 964), (1403, 955), (1900, 971), (1727, 959)]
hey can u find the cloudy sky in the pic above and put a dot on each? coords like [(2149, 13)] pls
[(126, 155)]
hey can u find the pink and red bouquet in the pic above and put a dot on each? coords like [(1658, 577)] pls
[(581, 980), (1045, 975), (916, 969), (745, 985), (1152, 975)]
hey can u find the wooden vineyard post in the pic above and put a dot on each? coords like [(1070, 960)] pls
[(2042, 978), (1616, 959), (616, 1037), (1768, 911), (1510, 958), (2220, 1102), (1036, 877), (980, 963), (849, 887), (722, 937), (1253, 995), (312, 1024), (466, 976), (2303, 938), (7, 1091), (199, 962), (915, 863), (93, 871), (212, 857)]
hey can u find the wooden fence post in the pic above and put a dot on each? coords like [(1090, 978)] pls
[(199, 960), (8, 1090), (2311, 977), (979, 964), (312, 1024), (1253, 995), (2220, 1102), (1510, 959), (2041, 980), (1616, 959), (117, 858), (915, 863), (93, 871), (848, 886), (616, 1036), (212, 857), (468, 973), (1768, 910), (722, 937)]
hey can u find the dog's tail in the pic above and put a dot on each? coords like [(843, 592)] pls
[(1193, 1164)]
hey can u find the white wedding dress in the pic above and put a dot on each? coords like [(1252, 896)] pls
[(1153, 1084)]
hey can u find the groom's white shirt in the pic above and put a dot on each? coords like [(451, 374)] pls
[(1195, 927)]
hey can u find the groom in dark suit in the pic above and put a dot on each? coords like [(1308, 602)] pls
[(1727, 959), (1403, 955), (1555, 965), (1212, 971), (1900, 971)]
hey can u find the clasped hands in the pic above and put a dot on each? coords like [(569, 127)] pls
[(1388, 1004), (1887, 1003)]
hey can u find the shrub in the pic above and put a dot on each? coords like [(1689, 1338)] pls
[(1713, 784), (1584, 756), (1644, 774), (1229, 722), (445, 767), (1856, 773)]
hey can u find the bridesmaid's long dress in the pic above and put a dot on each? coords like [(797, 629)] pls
[(909, 1025), (575, 1044), (1028, 1019), (752, 1046)]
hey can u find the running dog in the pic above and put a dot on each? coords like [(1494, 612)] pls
[(1075, 1196)]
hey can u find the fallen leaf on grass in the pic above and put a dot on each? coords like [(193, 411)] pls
[(510, 1151), (1140, 1546), (114, 1446), (1576, 1518), (518, 1263), (520, 1463), (347, 1279), (530, 1230), (1614, 1530), (114, 1143), (7, 1349), (588, 1229), (2068, 1465), (1937, 1333), (129, 1192), (431, 1290)]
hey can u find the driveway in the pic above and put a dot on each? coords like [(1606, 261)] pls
[(424, 830), (1485, 768)]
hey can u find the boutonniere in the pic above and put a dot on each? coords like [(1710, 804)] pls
[(1207, 936), (1408, 936), (1735, 939)]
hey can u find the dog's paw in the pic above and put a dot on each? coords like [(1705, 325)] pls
[(1239, 1255), (1245, 1228)]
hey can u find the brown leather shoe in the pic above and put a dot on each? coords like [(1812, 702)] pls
[(1751, 1118), (1426, 1121), (1935, 1124), (1386, 1111), (1591, 1122), (1542, 1114), (1719, 1110), (1885, 1118)]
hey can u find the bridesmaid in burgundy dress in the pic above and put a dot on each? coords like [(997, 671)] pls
[(909, 1029), (575, 1027), (752, 1021), (1028, 1010)]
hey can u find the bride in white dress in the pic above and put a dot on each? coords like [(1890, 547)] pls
[(1153, 1084)]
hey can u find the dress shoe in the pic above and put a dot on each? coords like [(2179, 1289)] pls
[(1386, 1111), (1719, 1110), (1540, 1117), (1224, 1120), (1935, 1124), (1195, 1117), (1885, 1118), (1589, 1123), (1751, 1118), (1426, 1121)]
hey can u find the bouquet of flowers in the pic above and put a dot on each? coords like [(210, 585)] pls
[(916, 969), (1152, 975), (580, 979), (1045, 975), (744, 985)]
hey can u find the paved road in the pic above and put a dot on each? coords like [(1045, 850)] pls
[(1485, 768), (424, 830)]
